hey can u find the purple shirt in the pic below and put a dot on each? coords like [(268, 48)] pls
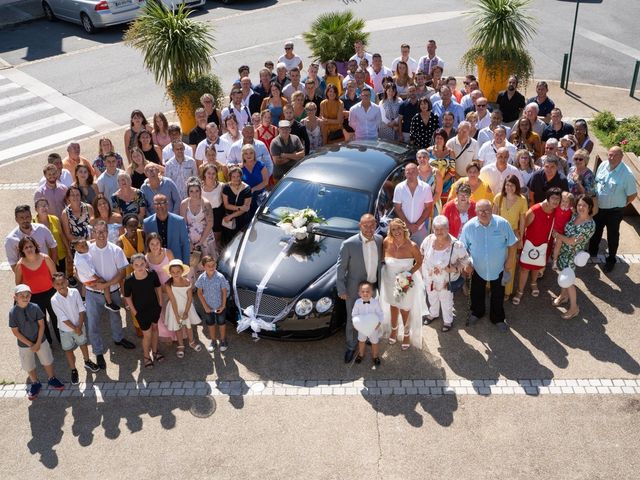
[(55, 197)]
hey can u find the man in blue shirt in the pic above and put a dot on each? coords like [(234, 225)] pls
[(154, 185), (615, 189), (489, 239), (447, 104)]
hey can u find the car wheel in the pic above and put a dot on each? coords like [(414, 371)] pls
[(48, 13), (87, 24)]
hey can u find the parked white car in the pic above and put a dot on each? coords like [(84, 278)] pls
[(94, 14)]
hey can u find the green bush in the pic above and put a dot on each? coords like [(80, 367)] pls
[(605, 121), (627, 135), (195, 89)]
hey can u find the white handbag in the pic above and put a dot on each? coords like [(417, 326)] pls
[(536, 255)]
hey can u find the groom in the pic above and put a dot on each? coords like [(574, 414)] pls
[(359, 260)]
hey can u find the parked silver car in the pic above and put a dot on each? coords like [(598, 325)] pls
[(94, 14)]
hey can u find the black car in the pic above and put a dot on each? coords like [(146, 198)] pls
[(340, 183)]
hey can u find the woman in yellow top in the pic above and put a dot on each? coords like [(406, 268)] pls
[(53, 224), (332, 77), (131, 242), (331, 114), (511, 205), (479, 189)]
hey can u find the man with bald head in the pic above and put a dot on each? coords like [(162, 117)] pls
[(489, 239), (615, 189), (495, 173), (358, 261), (413, 203)]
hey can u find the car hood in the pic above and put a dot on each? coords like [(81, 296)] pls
[(260, 251)]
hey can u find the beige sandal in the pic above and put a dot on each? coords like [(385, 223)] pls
[(393, 340), (517, 297), (180, 351)]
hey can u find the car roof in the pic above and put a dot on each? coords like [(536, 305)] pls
[(362, 165)]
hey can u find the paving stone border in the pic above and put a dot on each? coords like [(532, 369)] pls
[(303, 388)]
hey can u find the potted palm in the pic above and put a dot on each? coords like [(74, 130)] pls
[(499, 32), (332, 36), (177, 51)]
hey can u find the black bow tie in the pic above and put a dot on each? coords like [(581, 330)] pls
[(365, 302)]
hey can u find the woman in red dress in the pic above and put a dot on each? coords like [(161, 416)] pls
[(538, 226)]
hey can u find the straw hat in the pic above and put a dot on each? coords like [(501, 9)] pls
[(177, 262)]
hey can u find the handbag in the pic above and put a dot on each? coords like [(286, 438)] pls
[(456, 285), (231, 224), (536, 255)]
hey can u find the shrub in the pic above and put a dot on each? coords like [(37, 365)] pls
[(605, 121), (627, 135)]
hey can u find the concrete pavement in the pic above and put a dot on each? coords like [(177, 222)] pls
[(15, 12)]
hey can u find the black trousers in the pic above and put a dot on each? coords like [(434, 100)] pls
[(496, 299), (611, 218), (43, 300)]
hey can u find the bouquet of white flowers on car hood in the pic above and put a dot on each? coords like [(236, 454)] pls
[(299, 224)]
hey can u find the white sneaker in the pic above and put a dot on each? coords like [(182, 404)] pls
[(212, 347)]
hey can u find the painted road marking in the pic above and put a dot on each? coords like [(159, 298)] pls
[(390, 23), (609, 42), (78, 111), (31, 127), (306, 388), (23, 112), (21, 97), (44, 142), (8, 86)]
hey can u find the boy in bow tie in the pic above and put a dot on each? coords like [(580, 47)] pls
[(367, 305)]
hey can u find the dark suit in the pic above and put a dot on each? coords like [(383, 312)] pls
[(177, 235), (351, 272)]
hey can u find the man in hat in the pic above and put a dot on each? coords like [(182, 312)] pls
[(286, 150)]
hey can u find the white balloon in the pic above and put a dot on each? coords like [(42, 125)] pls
[(581, 259), (566, 278), (365, 323)]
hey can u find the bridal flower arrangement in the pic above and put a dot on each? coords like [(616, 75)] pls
[(404, 281), (299, 224)]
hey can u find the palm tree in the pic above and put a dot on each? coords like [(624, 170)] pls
[(177, 51), (499, 32), (332, 35)]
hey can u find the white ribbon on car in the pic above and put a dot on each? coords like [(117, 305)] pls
[(249, 317)]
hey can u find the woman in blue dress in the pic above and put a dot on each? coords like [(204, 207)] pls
[(254, 174)]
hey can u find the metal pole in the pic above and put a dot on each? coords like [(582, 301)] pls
[(573, 37), (563, 77), (635, 79)]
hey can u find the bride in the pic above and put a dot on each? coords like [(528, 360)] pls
[(402, 255)]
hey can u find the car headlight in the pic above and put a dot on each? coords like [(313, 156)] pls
[(324, 304), (304, 307)]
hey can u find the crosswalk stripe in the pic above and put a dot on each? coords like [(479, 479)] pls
[(23, 112), (32, 127), (44, 142), (16, 98), (9, 86)]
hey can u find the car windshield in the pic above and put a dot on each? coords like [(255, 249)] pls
[(340, 207)]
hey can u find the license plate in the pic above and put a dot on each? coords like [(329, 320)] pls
[(121, 3)]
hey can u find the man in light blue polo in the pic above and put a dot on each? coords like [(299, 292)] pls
[(615, 189), (489, 239)]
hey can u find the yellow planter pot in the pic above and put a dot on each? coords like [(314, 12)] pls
[(185, 112), (491, 85)]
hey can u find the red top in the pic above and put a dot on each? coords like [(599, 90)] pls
[(38, 280), (453, 215), (562, 217), (538, 232)]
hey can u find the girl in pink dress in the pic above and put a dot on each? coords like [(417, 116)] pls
[(158, 257)]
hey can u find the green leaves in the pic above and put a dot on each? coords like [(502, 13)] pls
[(499, 32), (333, 34), (175, 48)]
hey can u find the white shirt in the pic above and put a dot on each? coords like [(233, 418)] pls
[(167, 152), (65, 178), (464, 159), (222, 150), (289, 90), (290, 63), (485, 121), (365, 123), (493, 177), (412, 204), (242, 114), (370, 254), (411, 63), (84, 267), (262, 154), (486, 135), (376, 78), (361, 308), (426, 64), (41, 234), (487, 152), (358, 59), (108, 261), (67, 308)]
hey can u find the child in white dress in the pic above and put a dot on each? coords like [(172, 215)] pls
[(180, 314)]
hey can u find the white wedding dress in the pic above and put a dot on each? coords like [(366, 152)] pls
[(414, 300)]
